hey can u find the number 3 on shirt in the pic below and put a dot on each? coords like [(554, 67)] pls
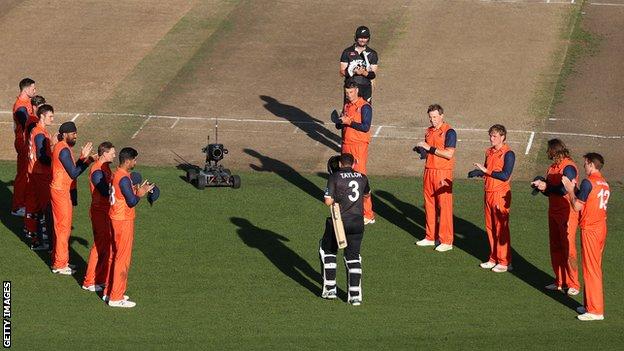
[(111, 194), (354, 189), (603, 195)]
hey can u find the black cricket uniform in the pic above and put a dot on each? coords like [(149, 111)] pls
[(347, 188), (365, 59)]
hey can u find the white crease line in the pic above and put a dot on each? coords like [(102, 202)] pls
[(605, 4), (377, 131), (529, 144), (141, 127), (75, 117), (174, 123), (597, 136)]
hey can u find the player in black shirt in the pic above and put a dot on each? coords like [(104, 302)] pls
[(359, 62), (347, 188)]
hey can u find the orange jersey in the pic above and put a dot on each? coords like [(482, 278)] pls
[(34, 165), (595, 210), (437, 138), (60, 179), (494, 162), (98, 201), (20, 133), (119, 209), (556, 203), (354, 111)]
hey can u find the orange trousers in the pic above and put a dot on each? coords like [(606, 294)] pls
[(21, 181), (360, 153), (37, 199), (592, 246), (123, 233), (562, 238), (438, 205), (62, 214), (497, 205), (100, 257)]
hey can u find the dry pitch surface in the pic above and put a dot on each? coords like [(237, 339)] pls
[(269, 71)]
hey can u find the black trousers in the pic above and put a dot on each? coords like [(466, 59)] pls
[(354, 230)]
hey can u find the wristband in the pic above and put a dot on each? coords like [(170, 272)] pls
[(432, 150)]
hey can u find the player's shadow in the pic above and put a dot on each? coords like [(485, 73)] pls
[(272, 246), (269, 164), (16, 224), (469, 238), (314, 128)]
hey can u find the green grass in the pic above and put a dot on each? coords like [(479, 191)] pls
[(237, 269)]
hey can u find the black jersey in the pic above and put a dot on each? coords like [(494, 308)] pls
[(354, 59), (347, 187)]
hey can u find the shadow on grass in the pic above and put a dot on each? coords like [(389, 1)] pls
[(469, 238), (16, 224), (272, 246), (314, 128)]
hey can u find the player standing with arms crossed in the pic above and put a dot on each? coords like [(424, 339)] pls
[(591, 199), (100, 177), (439, 145), (355, 122), (64, 172), (346, 187), (123, 198), (359, 62), (562, 217), (499, 164), (22, 109)]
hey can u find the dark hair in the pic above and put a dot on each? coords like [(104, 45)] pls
[(594, 158), (347, 160), (435, 107), (37, 100), (350, 84), (127, 153), (43, 109), (557, 150), (105, 147), (25, 83), (498, 128)]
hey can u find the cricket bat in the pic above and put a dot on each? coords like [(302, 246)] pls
[(341, 238)]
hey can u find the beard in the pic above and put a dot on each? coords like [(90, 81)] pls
[(71, 142)]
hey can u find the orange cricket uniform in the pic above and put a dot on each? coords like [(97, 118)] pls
[(39, 178), (122, 220), (497, 205), (593, 225), (100, 256), (438, 198), (21, 177), (562, 225), (356, 143)]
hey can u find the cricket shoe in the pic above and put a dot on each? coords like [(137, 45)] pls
[(122, 303), (573, 292), (369, 221), (487, 265), (444, 247), (553, 287), (20, 212), (39, 246), (106, 299), (499, 268), (355, 301), (63, 271), (590, 317), (93, 288), (425, 242)]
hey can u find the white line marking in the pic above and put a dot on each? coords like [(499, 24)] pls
[(528, 148), (605, 4), (377, 131), (174, 123), (597, 136), (141, 127), (75, 117)]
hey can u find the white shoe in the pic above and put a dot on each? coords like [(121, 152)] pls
[(369, 221), (122, 303), (106, 299), (444, 247), (20, 212), (499, 268), (581, 310), (93, 288), (63, 271), (590, 317), (553, 287), (329, 294), (355, 301), (487, 265), (573, 292), (425, 242)]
